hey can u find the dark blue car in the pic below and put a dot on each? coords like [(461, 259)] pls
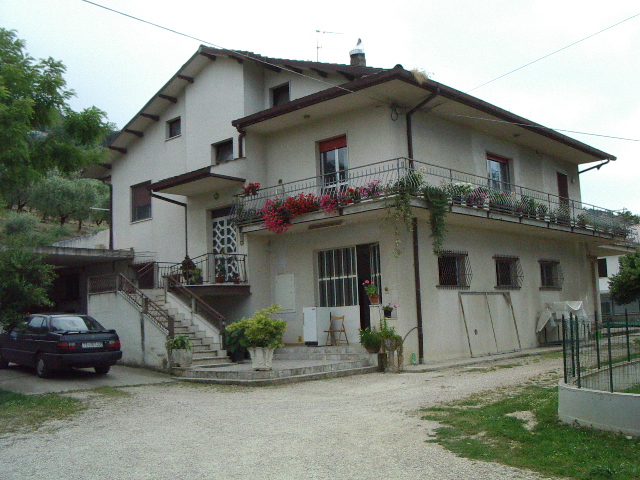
[(51, 342)]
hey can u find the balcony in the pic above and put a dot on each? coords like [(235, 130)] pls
[(277, 207)]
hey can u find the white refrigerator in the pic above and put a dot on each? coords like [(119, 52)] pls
[(315, 324)]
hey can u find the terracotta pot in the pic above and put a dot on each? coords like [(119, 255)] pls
[(374, 299)]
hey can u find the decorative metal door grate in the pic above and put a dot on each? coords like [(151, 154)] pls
[(225, 241)]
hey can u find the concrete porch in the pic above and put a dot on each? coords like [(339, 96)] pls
[(290, 364)]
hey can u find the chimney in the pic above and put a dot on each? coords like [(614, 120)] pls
[(357, 55)]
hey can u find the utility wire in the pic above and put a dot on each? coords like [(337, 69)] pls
[(556, 51), (261, 60)]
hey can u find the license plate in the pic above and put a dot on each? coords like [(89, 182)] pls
[(91, 344)]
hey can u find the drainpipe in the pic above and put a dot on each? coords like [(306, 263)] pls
[(110, 216), (414, 223), (181, 204), (599, 166), (242, 133), (409, 130)]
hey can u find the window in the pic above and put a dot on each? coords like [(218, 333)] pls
[(498, 170), (338, 277), (280, 95), (140, 202), (174, 128), (602, 268), (508, 272), (333, 161), (223, 151), (550, 275), (454, 270)]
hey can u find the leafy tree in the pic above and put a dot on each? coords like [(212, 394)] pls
[(65, 198), (38, 130), (24, 280), (625, 285)]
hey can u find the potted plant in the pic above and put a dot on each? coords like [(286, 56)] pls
[(388, 309), (370, 339), (261, 336), (180, 350), (196, 276), (371, 289), (236, 351)]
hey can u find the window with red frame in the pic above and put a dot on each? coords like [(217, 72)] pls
[(333, 161)]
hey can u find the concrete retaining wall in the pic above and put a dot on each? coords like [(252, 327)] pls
[(614, 412)]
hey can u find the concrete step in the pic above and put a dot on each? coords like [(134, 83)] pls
[(274, 377)]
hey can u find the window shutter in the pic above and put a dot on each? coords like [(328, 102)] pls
[(333, 144)]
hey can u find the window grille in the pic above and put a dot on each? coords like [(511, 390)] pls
[(338, 277), (508, 272), (551, 277), (454, 270)]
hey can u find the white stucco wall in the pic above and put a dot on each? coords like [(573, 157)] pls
[(142, 342)]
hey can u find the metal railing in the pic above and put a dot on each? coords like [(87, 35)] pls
[(384, 178), (209, 268), (602, 354), (118, 283), (197, 305)]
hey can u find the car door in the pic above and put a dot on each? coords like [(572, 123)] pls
[(32, 339), (12, 343)]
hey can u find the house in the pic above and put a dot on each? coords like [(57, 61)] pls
[(295, 182)]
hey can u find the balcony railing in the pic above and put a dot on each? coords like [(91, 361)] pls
[(382, 179), (210, 268)]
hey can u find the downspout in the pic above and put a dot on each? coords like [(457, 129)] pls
[(242, 134), (110, 216), (599, 166), (414, 224), (184, 205)]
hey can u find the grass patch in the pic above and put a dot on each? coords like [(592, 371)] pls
[(26, 412), (488, 430), (635, 390)]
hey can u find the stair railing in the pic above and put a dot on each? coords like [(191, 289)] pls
[(119, 283), (197, 304)]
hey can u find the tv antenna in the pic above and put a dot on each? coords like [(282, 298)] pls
[(318, 46)]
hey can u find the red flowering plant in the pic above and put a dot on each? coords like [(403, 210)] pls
[(275, 216), (251, 189), (278, 214), (301, 204)]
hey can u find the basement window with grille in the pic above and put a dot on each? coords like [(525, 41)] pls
[(454, 270), (550, 275), (508, 272)]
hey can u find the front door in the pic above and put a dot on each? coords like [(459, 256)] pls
[(224, 245), (368, 268)]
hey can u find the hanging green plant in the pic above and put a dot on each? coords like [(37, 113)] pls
[(398, 202), (437, 201)]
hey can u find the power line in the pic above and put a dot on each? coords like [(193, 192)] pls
[(261, 60), (541, 127), (553, 53)]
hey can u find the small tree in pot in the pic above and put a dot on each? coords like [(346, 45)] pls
[(180, 351), (262, 335)]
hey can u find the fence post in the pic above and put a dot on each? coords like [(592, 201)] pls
[(610, 359), (564, 348), (598, 335), (574, 321), (626, 324)]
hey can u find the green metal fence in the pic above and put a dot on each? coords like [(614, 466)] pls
[(602, 354)]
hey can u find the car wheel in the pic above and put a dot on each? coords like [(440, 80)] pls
[(42, 367), (102, 370)]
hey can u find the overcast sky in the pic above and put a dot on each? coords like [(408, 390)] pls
[(117, 63)]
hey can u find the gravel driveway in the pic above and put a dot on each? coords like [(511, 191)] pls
[(362, 427)]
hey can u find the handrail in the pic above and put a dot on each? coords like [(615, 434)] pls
[(377, 180), (211, 267), (116, 282), (198, 305)]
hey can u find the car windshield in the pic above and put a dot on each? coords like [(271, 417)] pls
[(75, 324)]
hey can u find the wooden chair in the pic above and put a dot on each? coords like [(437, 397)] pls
[(336, 326)]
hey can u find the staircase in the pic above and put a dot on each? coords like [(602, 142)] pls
[(290, 365), (207, 349)]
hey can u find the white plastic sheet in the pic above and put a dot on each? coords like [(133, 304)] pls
[(553, 311)]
